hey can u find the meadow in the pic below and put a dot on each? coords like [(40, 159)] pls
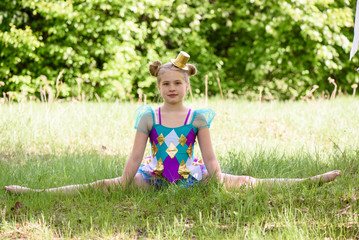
[(45, 145)]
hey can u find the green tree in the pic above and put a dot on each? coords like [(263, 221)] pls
[(282, 47)]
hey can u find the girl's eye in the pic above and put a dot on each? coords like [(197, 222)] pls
[(165, 84), (178, 83)]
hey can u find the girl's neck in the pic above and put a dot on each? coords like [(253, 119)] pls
[(173, 107)]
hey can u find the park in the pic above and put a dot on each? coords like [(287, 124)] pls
[(277, 75)]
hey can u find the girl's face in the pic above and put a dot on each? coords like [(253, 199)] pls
[(173, 87)]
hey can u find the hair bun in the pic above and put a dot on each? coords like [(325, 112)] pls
[(155, 67), (192, 70)]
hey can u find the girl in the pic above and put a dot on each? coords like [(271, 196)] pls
[(172, 130)]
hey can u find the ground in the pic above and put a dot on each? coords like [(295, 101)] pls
[(50, 145)]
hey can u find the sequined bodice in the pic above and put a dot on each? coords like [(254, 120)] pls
[(172, 148)]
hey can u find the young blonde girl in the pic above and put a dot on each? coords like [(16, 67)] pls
[(172, 130)]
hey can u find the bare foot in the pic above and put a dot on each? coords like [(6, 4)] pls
[(326, 177), (18, 189)]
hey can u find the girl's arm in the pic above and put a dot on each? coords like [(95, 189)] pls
[(135, 159), (209, 158)]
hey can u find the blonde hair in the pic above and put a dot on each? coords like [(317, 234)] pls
[(157, 69)]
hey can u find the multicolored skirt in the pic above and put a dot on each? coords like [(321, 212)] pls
[(153, 179)]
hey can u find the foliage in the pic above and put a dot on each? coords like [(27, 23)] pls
[(283, 47)]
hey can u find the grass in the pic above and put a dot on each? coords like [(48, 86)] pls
[(45, 146)]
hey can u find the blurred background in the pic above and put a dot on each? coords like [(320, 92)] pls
[(100, 49)]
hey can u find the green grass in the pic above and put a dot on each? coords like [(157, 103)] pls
[(45, 146)]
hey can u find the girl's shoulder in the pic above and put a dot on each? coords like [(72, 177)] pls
[(203, 117), (144, 119), (144, 110)]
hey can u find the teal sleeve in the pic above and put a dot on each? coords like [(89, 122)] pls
[(203, 118), (144, 119)]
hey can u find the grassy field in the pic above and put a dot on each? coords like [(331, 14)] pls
[(43, 145)]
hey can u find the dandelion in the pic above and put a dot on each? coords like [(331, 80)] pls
[(206, 89), (219, 84), (354, 86), (315, 87), (332, 81), (140, 94), (260, 94), (58, 89)]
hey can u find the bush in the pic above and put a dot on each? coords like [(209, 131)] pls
[(283, 47)]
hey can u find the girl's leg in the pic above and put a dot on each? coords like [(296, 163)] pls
[(233, 181), (67, 189), (100, 184)]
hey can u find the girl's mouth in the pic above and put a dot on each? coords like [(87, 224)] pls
[(172, 95)]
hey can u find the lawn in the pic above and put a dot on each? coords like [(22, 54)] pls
[(51, 145)]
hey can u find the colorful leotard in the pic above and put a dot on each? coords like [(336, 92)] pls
[(172, 159)]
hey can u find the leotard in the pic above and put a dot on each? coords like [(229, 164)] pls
[(172, 158)]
